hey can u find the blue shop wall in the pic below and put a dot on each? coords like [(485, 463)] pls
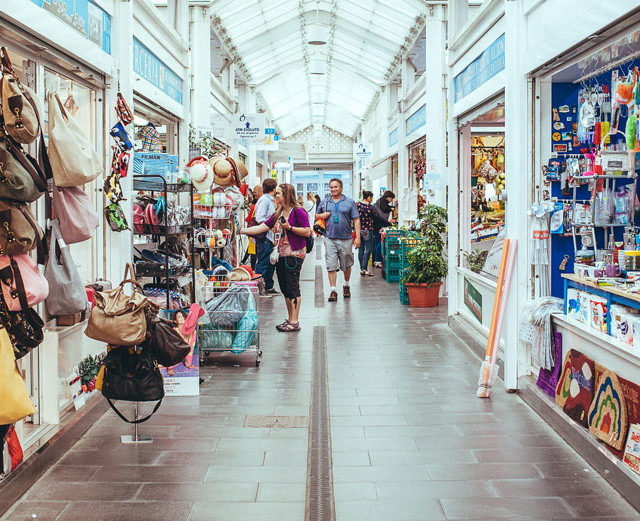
[(561, 245)]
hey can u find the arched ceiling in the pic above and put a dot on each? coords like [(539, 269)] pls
[(366, 40)]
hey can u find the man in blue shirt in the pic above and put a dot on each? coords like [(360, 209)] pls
[(339, 212), (265, 208)]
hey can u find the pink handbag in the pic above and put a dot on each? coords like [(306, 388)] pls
[(23, 286), (73, 208)]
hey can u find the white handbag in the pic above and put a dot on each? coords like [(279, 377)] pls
[(74, 160), (275, 254)]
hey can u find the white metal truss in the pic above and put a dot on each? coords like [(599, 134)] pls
[(268, 41)]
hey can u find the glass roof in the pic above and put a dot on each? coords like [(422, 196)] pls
[(364, 38)]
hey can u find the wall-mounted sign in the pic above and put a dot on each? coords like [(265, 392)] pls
[(473, 299), (271, 140), (249, 126), (85, 17), (480, 70), (393, 137), (155, 71), (417, 120)]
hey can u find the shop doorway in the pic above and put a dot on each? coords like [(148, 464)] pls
[(155, 130)]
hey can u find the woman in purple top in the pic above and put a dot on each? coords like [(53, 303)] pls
[(290, 224)]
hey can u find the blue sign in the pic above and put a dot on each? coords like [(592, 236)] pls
[(156, 72), (480, 70), (393, 137), (270, 131), (84, 16), (417, 120)]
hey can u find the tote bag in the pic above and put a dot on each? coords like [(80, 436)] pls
[(15, 404), (73, 208), (23, 286), (74, 160), (66, 290)]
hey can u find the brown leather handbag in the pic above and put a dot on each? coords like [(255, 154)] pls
[(21, 178), (19, 231), (117, 318), (19, 108)]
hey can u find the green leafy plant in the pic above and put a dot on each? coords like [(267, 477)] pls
[(427, 261), (203, 143), (476, 260)]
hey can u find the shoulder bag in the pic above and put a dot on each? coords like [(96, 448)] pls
[(165, 343), (15, 404), (132, 376), (117, 318), (23, 285), (74, 160), (20, 176), (73, 208), (19, 108), (66, 290), (19, 231), (25, 328)]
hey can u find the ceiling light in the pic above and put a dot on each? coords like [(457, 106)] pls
[(317, 34), (317, 66)]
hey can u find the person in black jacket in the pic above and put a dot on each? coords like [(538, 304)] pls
[(383, 211)]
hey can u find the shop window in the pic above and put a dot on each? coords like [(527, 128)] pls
[(418, 169), (80, 103)]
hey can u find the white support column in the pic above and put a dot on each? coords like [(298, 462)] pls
[(458, 16), (200, 67), (518, 169), (403, 156), (436, 101), (250, 104), (119, 245), (383, 115)]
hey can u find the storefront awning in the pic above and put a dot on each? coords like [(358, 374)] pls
[(380, 168)]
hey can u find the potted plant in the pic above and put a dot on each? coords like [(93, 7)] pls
[(427, 261)]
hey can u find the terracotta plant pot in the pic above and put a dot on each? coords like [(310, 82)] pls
[(423, 295)]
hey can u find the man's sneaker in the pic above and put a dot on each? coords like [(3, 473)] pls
[(346, 292), (271, 292), (333, 297)]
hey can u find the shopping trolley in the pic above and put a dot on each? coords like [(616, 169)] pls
[(231, 319)]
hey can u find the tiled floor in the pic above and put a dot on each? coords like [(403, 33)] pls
[(410, 439)]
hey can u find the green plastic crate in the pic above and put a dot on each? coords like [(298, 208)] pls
[(404, 294)]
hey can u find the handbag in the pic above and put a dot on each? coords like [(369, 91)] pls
[(25, 328), (132, 376), (19, 110), (19, 231), (117, 318), (73, 208), (15, 404), (115, 218), (23, 285), (74, 160), (66, 290), (165, 343), (275, 254), (20, 176)]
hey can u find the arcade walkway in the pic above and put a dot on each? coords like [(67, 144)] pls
[(409, 439)]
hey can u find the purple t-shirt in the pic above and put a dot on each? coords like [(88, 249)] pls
[(298, 218)]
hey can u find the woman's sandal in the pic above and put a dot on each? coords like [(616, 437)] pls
[(363, 273), (369, 274), (290, 327), (280, 326)]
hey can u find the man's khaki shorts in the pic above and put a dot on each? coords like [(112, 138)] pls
[(338, 254)]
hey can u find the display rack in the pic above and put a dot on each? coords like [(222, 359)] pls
[(158, 184)]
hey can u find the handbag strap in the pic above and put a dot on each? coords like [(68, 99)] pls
[(139, 420), (6, 62), (14, 270)]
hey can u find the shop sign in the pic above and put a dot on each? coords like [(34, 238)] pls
[(393, 137), (492, 264), (271, 140), (480, 70), (250, 127), (417, 120), (274, 174), (473, 299), (155, 71), (85, 17)]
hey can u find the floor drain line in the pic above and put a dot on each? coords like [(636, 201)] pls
[(319, 288), (320, 502)]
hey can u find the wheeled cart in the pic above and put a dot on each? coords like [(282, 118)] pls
[(231, 322)]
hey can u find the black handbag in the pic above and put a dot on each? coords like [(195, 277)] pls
[(133, 376), (165, 343), (25, 328)]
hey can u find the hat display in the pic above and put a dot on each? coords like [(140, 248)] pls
[(201, 173), (239, 274), (223, 173)]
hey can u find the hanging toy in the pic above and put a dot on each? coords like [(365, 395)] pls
[(624, 94), (597, 134), (630, 131)]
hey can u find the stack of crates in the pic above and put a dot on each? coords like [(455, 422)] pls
[(406, 245), (392, 255)]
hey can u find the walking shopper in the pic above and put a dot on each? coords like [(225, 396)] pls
[(366, 232), (290, 223), (310, 207), (318, 201), (383, 209), (340, 214), (265, 208)]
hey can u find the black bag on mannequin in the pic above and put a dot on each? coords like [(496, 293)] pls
[(165, 343)]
